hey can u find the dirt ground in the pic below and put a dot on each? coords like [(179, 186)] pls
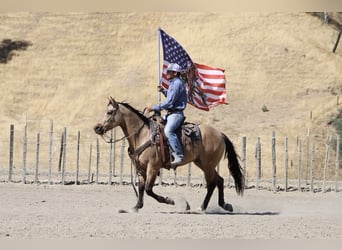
[(92, 211)]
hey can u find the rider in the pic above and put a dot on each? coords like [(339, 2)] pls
[(175, 103)]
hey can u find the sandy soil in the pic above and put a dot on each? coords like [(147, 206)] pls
[(85, 212)]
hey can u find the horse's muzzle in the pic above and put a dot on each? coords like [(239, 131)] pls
[(99, 129)]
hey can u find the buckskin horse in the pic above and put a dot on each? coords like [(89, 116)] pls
[(206, 153)]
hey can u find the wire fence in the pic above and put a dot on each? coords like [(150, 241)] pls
[(57, 157)]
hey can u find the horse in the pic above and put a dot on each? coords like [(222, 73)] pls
[(205, 154)]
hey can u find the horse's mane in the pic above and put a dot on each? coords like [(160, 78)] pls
[(137, 112)]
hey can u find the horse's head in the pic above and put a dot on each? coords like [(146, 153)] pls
[(111, 120)]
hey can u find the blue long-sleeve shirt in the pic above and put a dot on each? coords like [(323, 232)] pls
[(176, 96)]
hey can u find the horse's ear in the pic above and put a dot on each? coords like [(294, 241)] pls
[(112, 102)]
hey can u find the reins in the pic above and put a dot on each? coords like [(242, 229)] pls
[(110, 140)]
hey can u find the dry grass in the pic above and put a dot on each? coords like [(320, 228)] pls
[(279, 60)]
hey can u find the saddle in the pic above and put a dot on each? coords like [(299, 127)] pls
[(188, 134)]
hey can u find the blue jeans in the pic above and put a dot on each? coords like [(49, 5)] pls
[(173, 121)]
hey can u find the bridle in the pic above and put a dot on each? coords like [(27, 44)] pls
[(112, 115)]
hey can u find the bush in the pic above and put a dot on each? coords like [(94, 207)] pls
[(7, 46)]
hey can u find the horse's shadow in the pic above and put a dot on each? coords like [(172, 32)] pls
[(248, 213), (265, 213)]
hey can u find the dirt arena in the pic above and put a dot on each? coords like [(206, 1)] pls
[(92, 211)]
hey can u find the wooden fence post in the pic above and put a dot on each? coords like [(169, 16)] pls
[(64, 140), (299, 165), (258, 162), (50, 149), (61, 154), (189, 175), (10, 165), (114, 152), (274, 166), (175, 177), (243, 158), (89, 165), (326, 162), (24, 153), (286, 162), (122, 160), (78, 156), (97, 160), (37, 159), (337, 161), (110, 164), (313, 159), (307, 155)]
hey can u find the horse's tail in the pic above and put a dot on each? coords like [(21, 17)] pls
[(234, 166)]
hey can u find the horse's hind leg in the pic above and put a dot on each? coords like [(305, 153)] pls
[(221, 201), (211, 180), (214, 180), (210, 189)]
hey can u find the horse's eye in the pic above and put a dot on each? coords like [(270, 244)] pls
[(110, 112)]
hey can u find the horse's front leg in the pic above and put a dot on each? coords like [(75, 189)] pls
[(141, 190), (150, 179)]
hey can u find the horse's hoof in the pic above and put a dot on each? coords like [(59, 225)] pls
[(134, 210), (228, 207), (182, 205), (200, 209), (169, 201)]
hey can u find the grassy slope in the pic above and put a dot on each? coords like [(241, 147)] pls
[(281, 60)]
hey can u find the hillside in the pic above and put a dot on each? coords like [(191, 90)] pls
[(279, 60)]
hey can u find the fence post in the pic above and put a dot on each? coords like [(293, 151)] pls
[(258, 162), (189, 175), (114, 152), (97, 160), (312, 168), (37, 159), (50, 149), (299, 165), (78, 156), (337, 161), (243, 158), (110, 167), (89, 165), (326, 162), (61, 154), (307, 155), (24, 153), (286, 162), (175, 177), (274, 166), (10, 165), (122, 160), (64, 140)]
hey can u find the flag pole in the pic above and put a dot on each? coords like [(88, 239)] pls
[(159, 95), (158, 35)]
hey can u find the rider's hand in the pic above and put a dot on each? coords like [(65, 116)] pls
[(159, 88), (149, 108)]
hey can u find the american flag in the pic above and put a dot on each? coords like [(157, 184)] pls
[(206, 86)]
